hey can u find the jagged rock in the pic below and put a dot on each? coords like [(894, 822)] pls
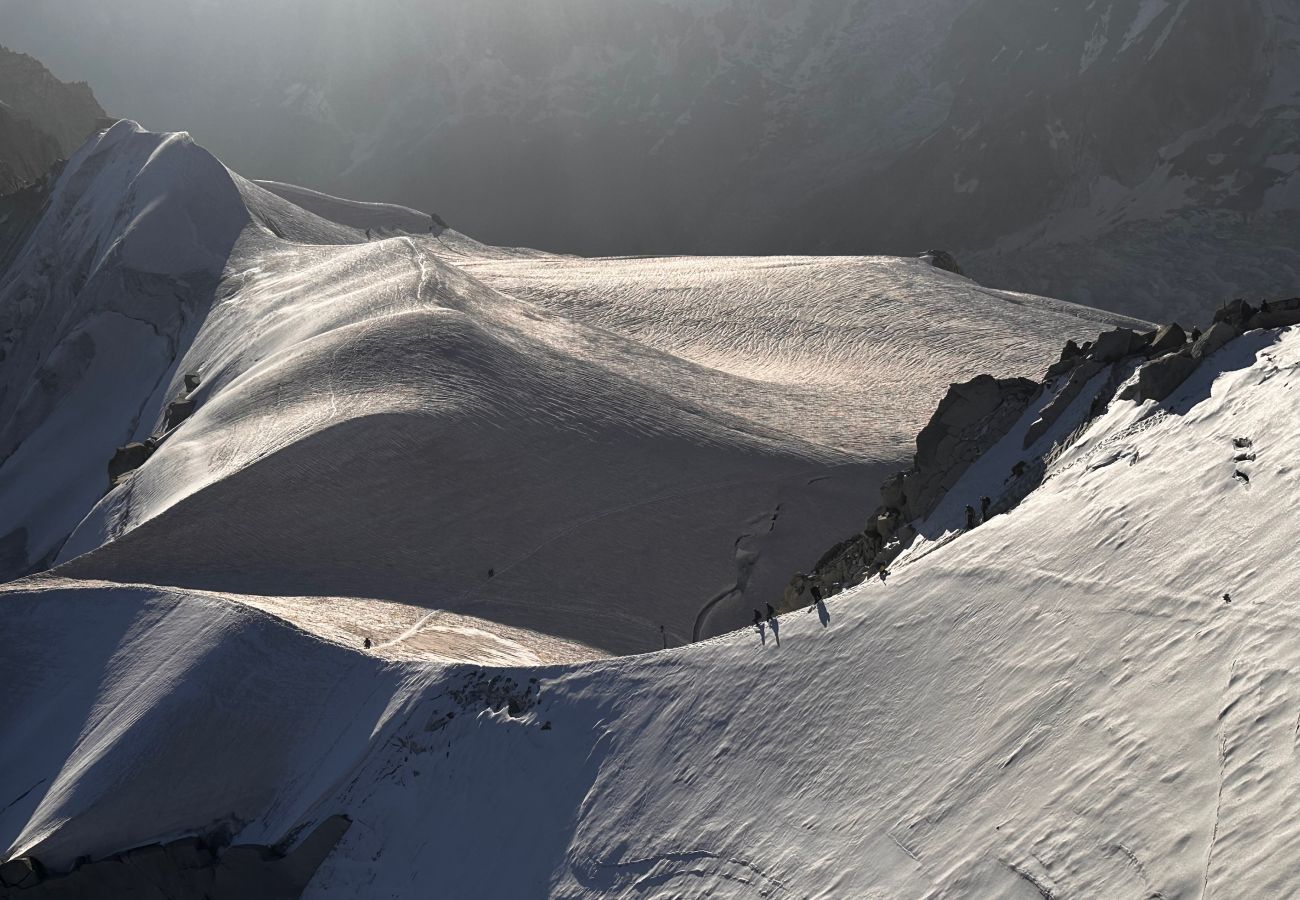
[(1236, 313), (1167, 339), (1112, 346), (1161, 377), (892, 494), (191, 382), (1218, 335), (128, 459), (23, 872), (1071, 350), (970, 419), (887, 523), (1061, 402), (942, 259), (177, 412)]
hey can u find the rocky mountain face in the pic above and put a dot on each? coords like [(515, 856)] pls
[(1139, 155), (975, 417), (42, 119)]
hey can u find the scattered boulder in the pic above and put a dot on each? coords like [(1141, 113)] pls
[(178, 411), (192, 381), (1161, 377), (1218, 335), (942, 259), (128, 459), (1167, 339), (1112, 346)]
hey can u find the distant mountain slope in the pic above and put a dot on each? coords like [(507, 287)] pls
[(42, 119), (1136, 155), (590, 453), (1088, 695)]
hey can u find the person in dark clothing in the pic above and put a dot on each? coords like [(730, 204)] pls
[(1263, 308), (771, 613), (367, 234), (1227, 598), (970, 517), (367, 643), (758, 617), (491, 572), (817, 594), (985, 502)]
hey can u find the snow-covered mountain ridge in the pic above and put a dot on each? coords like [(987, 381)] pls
[(443, 447), (1088, 694)]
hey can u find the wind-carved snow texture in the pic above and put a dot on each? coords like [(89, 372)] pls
[(1093, 694), (496, 455)]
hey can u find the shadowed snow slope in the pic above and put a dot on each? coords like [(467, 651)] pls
[(609, 455), (1058, 703)]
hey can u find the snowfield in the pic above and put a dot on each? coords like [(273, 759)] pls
[(1057, 703), (1089, 695), (607, 455)]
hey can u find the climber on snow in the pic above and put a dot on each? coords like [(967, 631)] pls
[(970, 517)]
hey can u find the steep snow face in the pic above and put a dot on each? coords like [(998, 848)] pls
[(93, 314), (1138, 155), (1086, 696), (609, 456)]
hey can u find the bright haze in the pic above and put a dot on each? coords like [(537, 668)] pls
[(1074, 151)]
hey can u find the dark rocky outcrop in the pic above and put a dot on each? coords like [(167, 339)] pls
[(187, 869), (975, 415), (178, 411), (127, 459), (971, 418), (1167, 339), (942, 259), (42, 119)]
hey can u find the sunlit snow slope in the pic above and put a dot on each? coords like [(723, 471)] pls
[(1058, 703), (495, 454)]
